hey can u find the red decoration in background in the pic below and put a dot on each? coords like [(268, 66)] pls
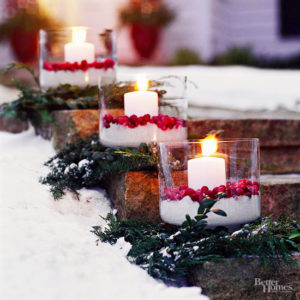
[(146, 19), (24, 45), (145, 39)]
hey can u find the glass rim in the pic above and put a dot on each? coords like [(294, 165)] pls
[(200, 141), (151, 75)]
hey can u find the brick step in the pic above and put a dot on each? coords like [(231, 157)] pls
[(279, 139), (136, 196), (242, 279)]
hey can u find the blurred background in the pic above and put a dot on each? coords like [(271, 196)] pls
[(165, 32), (243, 57)]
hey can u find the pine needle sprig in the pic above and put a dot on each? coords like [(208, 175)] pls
[(87, 163), (169, 252)]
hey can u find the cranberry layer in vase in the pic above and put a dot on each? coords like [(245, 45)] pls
[(82, 74), (241, 204), (132, 130)]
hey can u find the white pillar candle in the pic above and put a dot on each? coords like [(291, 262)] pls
[(141, 103), (79, 50), (206, 171)]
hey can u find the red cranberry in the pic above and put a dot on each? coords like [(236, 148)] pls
[(99, 65), (209, 193), (215, 190), (194, 197), (189, 192), (133, 119), (240, 191), (228, 193), (165, 120), (121, 120), (108, 63), (243, 181), (108, 118), (147, 118), (173, 121), (155, 119), (84, 65), (204, 189), (221, 189), (242, 186), (76, 65), (183, 187)]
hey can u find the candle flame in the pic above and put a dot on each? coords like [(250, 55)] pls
[(209, 145), (78, 35), (142, 84)]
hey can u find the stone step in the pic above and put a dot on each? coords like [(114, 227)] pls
[(279, 139), (242, 279), (69, 125), (271, 132), (12, 125), (136, 195)]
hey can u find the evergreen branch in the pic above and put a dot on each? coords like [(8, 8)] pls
[(167, 251), (87, 163)]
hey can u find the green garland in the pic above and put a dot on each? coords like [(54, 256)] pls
[(169, 252), (87, 163), (36, 106)]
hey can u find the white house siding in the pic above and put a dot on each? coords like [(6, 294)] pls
[(191, 29), (253, 23)]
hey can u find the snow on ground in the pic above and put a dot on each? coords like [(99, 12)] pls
[(8, 94), (240, 88), (46, 248)]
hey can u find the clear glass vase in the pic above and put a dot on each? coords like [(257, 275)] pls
[(77, 56), (192, 171), (143, 110)]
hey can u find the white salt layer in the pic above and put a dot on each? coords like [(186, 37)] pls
[(119, 135), (241, 210), (50, 79)]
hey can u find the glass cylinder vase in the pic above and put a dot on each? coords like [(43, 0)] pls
[(76, 56), (192, 171), (143, 110)]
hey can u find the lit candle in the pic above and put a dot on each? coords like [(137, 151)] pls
[(207, 171), (79, 50), (141, 102)]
